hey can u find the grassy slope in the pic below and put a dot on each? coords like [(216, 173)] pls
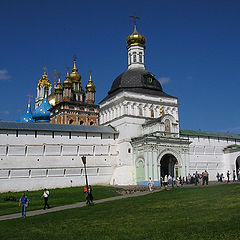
[(198, 213), (58, 197)]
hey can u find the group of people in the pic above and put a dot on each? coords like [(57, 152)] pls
[(23, 201), (235, 176), (196, 178), (189, 179)]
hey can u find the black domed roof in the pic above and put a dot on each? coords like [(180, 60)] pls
[(136, 78), (138, 81)]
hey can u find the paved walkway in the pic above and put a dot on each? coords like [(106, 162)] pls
[(82, 204), (71, 206)]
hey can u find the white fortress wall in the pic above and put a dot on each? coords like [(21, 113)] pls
[(207, 153), (37, 159)]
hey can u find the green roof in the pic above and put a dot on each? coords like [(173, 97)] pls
[(209, 134)]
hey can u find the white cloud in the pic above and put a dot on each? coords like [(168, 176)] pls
[(4, 112), (164, 80), (4, 75)]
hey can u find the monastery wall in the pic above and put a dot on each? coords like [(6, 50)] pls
[(37, 159), (207, 153)]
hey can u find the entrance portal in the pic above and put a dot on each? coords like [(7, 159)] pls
[(169, 166), (237, 165)]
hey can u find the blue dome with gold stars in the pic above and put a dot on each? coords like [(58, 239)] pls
[(27, 116), (42, 113)]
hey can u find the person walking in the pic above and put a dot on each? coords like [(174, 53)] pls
[(218, 177), (234, 176), (87, 196), (90, 193), (228, 175), (45, 196), (207, 177), (23, 203), (196, 179), (150, 184)]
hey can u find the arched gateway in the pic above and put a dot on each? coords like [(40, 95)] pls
[(237, 164), (168, 166)]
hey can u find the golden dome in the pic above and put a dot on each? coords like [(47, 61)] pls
[(44, 81), (135, 38), (59, 87), (67, 83), (90, 87), (75, 76)]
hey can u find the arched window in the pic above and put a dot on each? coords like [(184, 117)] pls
[(134, 57), (81, 122), (140, 111), (91, 123), (129, 58), (167, 126), (70, 121), (140, 57)]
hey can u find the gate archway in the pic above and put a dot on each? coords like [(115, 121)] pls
[(168, 166), (237, 165)]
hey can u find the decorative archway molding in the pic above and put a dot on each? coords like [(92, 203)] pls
[(138, 160), (172, 152)]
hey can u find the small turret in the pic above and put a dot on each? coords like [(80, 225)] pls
[(58, 91), (27, 116), (90, 91), (67, 88)]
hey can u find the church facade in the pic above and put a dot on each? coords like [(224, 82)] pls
[(138, 136)]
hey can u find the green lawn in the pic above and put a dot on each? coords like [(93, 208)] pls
[(190, 213), (58, 197)]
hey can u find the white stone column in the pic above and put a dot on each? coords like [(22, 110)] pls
[(150, 163), (155, 166), (146, 165)]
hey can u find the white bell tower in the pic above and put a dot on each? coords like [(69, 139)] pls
[(136, 48)]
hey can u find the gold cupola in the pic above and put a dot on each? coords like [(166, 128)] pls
[(59, 87), (136, 38), (67, 83), (44, 81), (90, 87), (75, 76)]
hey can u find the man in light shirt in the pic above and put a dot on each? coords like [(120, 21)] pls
[(45, 196)]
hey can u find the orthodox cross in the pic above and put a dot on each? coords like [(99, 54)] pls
[(135, 18), (59, 75), (29, 98), (54, 77), (75, 57), (44, 69), (68, 69)]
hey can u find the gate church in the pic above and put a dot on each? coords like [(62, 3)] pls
[(138, 137)]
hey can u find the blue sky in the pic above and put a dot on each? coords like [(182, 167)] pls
[(192, 46)]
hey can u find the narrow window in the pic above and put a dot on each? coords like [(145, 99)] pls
[(134, 57), (152, 113), (140, 57), (70, 135), (17, 133), (86, 135), (35, 134), (52, 134)]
